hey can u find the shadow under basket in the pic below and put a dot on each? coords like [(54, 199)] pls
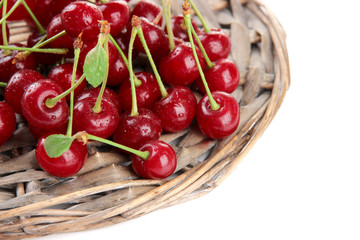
[(106, 191)]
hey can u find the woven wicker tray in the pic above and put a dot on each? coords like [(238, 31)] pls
[(106, 191)]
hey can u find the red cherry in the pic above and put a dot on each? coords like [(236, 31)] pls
[(35, 110), (179, 27), (68, 164), (109, 95), (55, 27), (224, 76), (102, 124), (147, 10), (39, 132), (62, 75), (20, 12), (179, 67), (177, 110), (17, 85), (117, 13), (7, 34), (7, 68), (133, 131), (159, 165), (219, 123), (216, 43), (146, 94), (42, 12), (58, 5), (81, 16), (7, 122)]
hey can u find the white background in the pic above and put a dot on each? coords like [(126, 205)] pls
[(301, 180)]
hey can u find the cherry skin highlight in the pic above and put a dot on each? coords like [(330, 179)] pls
[(219, 123), (160, 164), (7, 122), (67, 165)]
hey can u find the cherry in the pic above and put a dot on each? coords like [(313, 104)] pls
[(146, 94), (219, 123), (68, 164), (101, 124), (7, 68), (7, 122), (147, 10), (40, 132), (216, 43), (42, 12), (177, 110), (109, 95), (55, 26), (179, 27), (179, 67), (20, 12), (117, 13), (133, 131), (81, 16), (17, 85), (62, 74), (7, 34), (58, 5), (224, 76), (160, 164), (34, 107)]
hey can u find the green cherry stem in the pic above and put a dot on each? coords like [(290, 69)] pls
[(3, 84), (167, 15), (37, 23), (41, 50), (186, 12), (17, 3), (3, 28), (137, 23), (201, 46), (202, 19), (134, 108)]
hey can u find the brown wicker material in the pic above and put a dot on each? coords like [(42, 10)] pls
[(106, 191)]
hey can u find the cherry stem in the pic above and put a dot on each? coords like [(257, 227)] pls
[(40, 50), (163, 91), (3, 84), (103, 1), (3, 27), (134, 108), (202, 49), (17, 3), (126, 61), (158, 17), (167, 15), (202, 19), (37, 23), (187, 18)]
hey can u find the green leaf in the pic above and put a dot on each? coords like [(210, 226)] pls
[(55, 145), (96, 65)]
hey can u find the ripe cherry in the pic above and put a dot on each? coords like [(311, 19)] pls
[(179, 27), (179, 67), (146, 94), (160, 164), (134, 131), (216, 43), (7, 122), (58, 5), (34, 107), (147, 10), (224, 76), (42, 12), (117, 13), (55, 27), (68, 164), (101, 124), (17, 85), (81, 16), (219, 123), (20, 12), (177, 110)]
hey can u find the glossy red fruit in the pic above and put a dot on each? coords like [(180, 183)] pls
[(160, 164), (42, 12), (177, 110), (17, 85), (7, 122), (146, 94), (102, 124), (134, 131), (216, 43), (20, 12), (179, 67), (58, 5), (117, 13), (179, 27), (39, 132), (148, 10), (7, 68), (222, 122), (62, 75), (109, 95), (224, 76), (35, 110), (67, 165), (55, 27), (7, 34), (81, 16)]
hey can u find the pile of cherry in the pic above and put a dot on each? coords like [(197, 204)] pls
[(74, 80)]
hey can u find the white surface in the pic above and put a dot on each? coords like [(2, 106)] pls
[(301, 180)]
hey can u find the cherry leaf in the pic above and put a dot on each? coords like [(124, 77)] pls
[(96, 65), (55, 145)]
